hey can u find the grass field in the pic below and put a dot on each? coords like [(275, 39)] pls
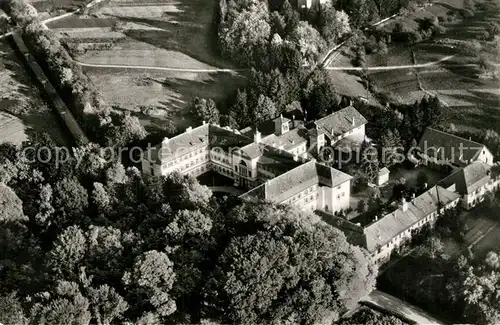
[(163, 30), (12, 129), (53, 5), (167, 93), (154, 33), (21, 107)]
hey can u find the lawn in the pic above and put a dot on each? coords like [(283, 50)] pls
[(176, 26), (21, 106), (153, 33), (12, 129), (168, 94)]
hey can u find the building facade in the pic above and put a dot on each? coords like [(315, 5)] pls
[(388, 233), (473, 183), (274, 168)]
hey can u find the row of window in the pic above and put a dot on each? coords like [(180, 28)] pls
[(308, 198), (188, 156)]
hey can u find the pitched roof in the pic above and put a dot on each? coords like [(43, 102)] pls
[(288, 140), (183, 143), (448, 146), (469, 178), (296, 180), (383, 171), (341, 122), (386, 228)]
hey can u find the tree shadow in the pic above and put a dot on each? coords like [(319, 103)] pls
[(39, 116), (189, 30)]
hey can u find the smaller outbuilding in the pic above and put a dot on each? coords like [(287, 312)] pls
[(383, 176)]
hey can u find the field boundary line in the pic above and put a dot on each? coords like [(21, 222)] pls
[(146, 67)]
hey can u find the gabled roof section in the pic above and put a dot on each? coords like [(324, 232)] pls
[(289, 140), (391, 225), (341, 122), (296, 180), (331, 176), (183, 143), (226, 139), (468, 179), (448, 146)]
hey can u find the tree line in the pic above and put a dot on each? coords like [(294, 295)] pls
[(89, 241), (101, 124)]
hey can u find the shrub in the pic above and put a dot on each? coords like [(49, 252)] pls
[(484, 36), (466, 13)]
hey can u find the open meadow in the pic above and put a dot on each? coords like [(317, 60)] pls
[(22, 109), (158, 97), (151, 57)]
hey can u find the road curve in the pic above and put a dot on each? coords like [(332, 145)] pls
[(147, 67)]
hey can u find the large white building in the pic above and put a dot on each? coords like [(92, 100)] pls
[(273, 166)]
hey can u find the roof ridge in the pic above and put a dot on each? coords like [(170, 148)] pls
[(454, 136), (288, 171)]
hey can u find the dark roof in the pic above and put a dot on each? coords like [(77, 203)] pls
[(226, 139), (448, 146), (468, 179), (386, 228), (340, 122), (279, 161)]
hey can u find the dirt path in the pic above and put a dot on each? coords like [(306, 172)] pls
[(395, 67), (398, 307), (145, 67)]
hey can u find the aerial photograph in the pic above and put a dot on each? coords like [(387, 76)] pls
[(282, 162)]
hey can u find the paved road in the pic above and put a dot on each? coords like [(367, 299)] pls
[(398, 307)]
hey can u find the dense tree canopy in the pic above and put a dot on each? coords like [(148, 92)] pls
[(101, 244)]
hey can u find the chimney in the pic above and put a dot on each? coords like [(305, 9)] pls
[(425, 185), (164, 142), (256, 137), (293, 121), (295, 157), (413, 196), (204, 123), (189, 129), (376, 218), (353, 122), (470, 139), (405, 205)]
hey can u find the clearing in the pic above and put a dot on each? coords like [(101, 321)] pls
[(153, 33), (160, 98)]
